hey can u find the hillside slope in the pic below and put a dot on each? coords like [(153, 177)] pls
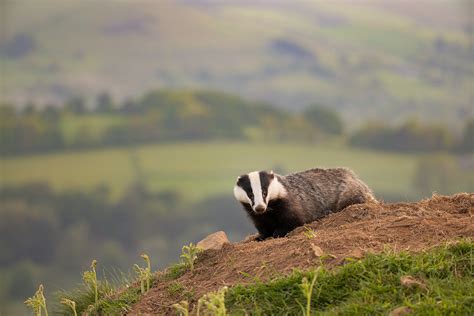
[(377, 59), (352, 233)]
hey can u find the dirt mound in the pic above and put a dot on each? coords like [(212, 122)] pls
[(352, 232)]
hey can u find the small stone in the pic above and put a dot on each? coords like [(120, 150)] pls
[(356, 253), (214, 241), (410, 282), (250, 238), (402, 310), (318, 252)]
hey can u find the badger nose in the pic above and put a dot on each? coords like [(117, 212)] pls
[(260, 208)]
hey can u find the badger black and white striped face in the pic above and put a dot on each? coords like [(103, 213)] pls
[(257, 189)]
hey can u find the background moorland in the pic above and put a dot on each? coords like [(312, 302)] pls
[(124, 125)]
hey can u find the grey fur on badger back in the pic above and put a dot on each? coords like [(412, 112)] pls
[(278, 204)]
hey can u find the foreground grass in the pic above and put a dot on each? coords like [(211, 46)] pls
[(114, 297), (214, 166), (442, 283)]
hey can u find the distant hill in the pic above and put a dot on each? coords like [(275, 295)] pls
[(379, 59)]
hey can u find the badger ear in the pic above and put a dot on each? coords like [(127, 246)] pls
[(272, 174)]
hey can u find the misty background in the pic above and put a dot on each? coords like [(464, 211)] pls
[(124, 124)]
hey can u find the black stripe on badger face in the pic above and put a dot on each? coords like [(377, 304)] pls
[(244, 183), (265, 179)]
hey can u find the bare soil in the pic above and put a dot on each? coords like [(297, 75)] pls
[(353, 232)]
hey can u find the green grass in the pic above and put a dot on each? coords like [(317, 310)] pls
[(198, 170), (178, 290), (119, 305), (175, 271), (175, 288), (114, 304), (115, 298), (84, 297), (371, 286)]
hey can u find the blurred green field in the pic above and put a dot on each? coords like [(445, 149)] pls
[(199, 170)]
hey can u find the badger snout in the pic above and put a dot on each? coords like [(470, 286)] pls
[(260, 208)]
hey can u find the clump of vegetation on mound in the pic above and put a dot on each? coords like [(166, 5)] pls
[(439, 279), (442, 281), (101, 297)]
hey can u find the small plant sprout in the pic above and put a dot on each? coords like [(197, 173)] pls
[(71, 304), (37, 302), (309, 232), (144, 274), (90, 279), (182, 308), (214, 303), (189, 255), (307, 289), (148, 267)]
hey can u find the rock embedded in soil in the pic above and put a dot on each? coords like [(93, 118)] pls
[(214, 241), (410, 282), (402, 310), (318, 252)]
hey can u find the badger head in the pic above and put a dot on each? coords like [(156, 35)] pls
[(257, 189)]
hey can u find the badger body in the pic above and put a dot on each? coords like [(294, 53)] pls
[(278, 204)]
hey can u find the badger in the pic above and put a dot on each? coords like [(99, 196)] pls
[(278, 204)]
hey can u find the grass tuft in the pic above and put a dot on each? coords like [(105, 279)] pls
[(175, 271), (38, 302), (213, 303), (307, 290), (90, 279), (175, 288), (144, 274), (189, 255), (70, 304), (181, 308), (84, 297), (117, 303)]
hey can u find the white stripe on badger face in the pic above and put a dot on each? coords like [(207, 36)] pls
[(275, 190), (241, 195), (256, 189)]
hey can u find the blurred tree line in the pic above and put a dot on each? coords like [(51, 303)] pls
[(413, 136), (445, 174), (158, 116), (172, 115)]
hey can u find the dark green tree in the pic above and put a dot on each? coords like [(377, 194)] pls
[(467, 140), (76, 105), (104, 103), (325, 119)]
